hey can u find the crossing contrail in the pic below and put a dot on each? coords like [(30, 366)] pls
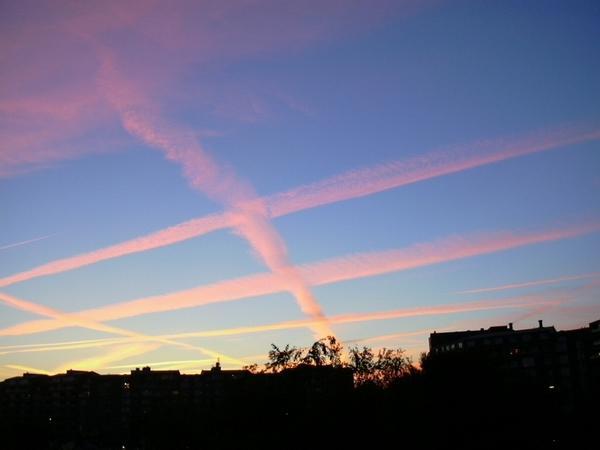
[(346, 186), (221, 184), (67, 319)]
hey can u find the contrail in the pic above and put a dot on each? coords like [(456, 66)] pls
[(118, 354), (454, 308), (346, 186), (29, 241), (516, 302), (531, 283), (68, 345), (205, 175), (320, 273), (168, 236), (382, 177), (79, 321)]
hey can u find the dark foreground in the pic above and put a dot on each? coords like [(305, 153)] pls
[(453, 403)]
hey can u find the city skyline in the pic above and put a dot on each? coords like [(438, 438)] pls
[(188, 183)]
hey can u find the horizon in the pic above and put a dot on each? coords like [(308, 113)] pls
[(172, 365), (191, 183)]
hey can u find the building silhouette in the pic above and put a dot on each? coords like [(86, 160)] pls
[(160, 408), (486, 388), (563, 362)]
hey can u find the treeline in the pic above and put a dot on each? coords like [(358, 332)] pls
[(380, 368)]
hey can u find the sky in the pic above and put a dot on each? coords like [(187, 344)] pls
[(188, 181)]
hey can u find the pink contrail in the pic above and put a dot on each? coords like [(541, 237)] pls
[(168, 236), (382, 177), (358, 183), (29, 241), (203, 173), (321, 273), (531, 283)]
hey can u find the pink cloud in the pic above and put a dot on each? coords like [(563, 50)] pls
[(50, 67)]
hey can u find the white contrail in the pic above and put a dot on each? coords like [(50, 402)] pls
[(29, 241), (531, 283)]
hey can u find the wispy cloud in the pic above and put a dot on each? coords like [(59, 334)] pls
[(324, 272), (50, 105), (357, 183)]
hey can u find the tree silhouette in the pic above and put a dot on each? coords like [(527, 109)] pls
[(280, 359), (334, 350), (362, 363), (326, 351), (252, 368), (389, 365), (381, 369)]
